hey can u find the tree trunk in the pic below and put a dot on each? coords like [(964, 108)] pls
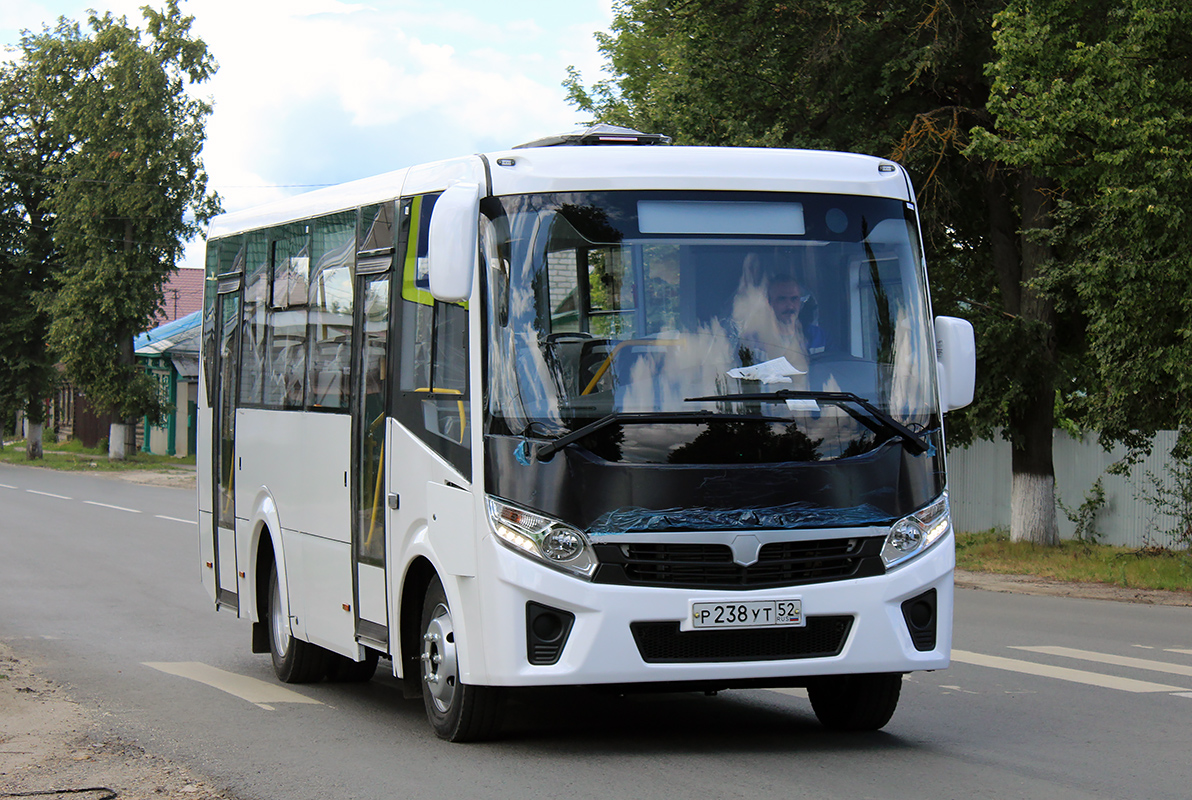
[(117, 441), (35, 418), (33, 448), (1032, 494)]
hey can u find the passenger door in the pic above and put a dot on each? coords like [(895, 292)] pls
[(370, 401), (223, 430)]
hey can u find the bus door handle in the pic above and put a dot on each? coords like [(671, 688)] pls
[(394, 501)]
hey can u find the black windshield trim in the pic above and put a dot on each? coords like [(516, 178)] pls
[(544, 452), (886, 423)]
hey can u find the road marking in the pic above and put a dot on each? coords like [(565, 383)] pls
[(259, 693), (117, 508), (6, 486), (48, 494), (175, 519), (1107, 658), (1177, 650), (793, 692), (1061, 673)]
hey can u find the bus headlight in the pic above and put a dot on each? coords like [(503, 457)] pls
[(547, 540), (912, 535)]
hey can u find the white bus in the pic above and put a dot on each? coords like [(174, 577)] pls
[(591, 411)]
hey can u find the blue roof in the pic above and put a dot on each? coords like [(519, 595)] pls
[(158, 340)]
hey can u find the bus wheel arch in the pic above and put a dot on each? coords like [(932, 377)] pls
[(458, 712), (294, 661), (418, 577), (262, 572)]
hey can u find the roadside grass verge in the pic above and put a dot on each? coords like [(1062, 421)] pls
[(1148, 568), (72, 456)]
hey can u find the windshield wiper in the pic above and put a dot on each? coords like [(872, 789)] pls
[(544, 452), (878, 421)]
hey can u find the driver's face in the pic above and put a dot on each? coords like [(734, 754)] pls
[(786, 298)]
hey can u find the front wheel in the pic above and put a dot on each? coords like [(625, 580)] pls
[(458, 712), (294, 661), (855, 702)]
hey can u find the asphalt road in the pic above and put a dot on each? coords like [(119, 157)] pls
[(1047, 697)]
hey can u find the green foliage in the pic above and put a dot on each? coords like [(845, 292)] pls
[(1084, 517), (1097, 96), (1051, 144), (28, 144), (902, 79), (109, 139), (1170, 498)]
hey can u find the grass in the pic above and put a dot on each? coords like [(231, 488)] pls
[(1148, 568), (71, 455)]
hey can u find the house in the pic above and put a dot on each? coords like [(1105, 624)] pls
[(170, 353)]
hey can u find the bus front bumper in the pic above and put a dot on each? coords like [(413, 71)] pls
[(616, 634)]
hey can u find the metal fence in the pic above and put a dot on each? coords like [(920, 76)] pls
[(979, 488)]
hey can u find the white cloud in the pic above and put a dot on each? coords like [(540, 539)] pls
[(324, 91)]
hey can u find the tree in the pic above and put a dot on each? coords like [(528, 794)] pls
[(897, 78), (1097, 97), (30, 92), (127, 193)]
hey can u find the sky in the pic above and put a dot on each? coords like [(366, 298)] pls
[(316, 92)]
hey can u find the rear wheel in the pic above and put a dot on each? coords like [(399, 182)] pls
[(457, 711), (855, 702), (294, 661)]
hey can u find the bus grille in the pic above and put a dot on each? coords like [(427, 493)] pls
[(711, 566), (663, 642)]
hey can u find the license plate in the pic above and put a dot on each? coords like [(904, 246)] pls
[(747, 614)]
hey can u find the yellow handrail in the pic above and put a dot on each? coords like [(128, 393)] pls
[(609, 361)]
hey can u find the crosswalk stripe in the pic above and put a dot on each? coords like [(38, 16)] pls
[(1108, 658), (1061, 673), (259, 693)]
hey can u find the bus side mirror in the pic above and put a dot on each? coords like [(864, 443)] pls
[(452, 242), (956, 361)]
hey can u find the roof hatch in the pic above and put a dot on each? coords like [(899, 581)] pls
[(600, 134)]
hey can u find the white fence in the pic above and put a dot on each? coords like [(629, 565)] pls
[(979, 488)]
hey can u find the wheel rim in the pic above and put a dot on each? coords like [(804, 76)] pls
[(440, 672), (279, 626)]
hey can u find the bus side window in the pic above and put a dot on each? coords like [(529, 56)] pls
[(285, 349), (333, 244), (256, 304), (434, 350)]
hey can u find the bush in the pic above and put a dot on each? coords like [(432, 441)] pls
[(1172, 499), (1085, 517)]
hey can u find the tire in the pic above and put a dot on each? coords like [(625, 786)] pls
[(345, 670), (855, 702), (457, 712), (294, 661)]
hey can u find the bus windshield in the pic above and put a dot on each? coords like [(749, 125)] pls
[(670, 311)]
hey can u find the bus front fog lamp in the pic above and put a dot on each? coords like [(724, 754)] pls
[(912, 535), (542, 538)]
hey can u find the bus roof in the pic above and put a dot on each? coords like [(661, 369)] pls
[(535, 170)]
